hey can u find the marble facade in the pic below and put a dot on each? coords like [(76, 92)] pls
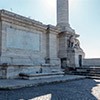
[(27, 45)]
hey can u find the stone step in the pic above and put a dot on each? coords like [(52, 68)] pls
[(93, 71), (40, 75)]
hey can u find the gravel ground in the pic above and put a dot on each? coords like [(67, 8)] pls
[(86, 89)]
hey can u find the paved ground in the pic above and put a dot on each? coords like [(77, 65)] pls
[(85, 89), (19, 83)]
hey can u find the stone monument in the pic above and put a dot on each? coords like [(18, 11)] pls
[(70, 51), (31, 48)]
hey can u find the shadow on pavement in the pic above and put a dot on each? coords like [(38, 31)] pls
[(73, 90)]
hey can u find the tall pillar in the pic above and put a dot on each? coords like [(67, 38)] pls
[(70, 55), (62, 13)]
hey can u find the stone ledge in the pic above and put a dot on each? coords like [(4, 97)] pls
[(49, 65), (40, 75), (20, 20), (19, 83)]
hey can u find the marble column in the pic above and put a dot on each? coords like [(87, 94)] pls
[(62, 13)]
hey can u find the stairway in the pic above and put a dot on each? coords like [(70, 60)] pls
[(90, 71), (40, 75)]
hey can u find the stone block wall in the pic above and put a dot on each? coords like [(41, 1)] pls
[(13, 71), (53, 45), (62, 45), (26, 44), (23, 40), (21, 45)]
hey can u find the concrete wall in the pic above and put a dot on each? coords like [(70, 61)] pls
[(91, 62)]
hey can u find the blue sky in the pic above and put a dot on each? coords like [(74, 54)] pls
[(84, 18)]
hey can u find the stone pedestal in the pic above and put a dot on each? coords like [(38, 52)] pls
[(75, 57), (70, 52), (14, 71)]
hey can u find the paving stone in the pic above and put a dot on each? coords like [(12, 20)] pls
[(85, 89), (19, 83)]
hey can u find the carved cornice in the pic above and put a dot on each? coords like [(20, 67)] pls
[(20, 20), (53, 29)]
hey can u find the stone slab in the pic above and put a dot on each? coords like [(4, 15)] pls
[(31, 76), (19, 83)]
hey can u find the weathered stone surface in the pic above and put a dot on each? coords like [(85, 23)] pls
[(26, 45), (62, 13), (31, 44), (63, 16), (26, 42)]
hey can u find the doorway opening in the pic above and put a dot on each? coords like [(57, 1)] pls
[(63, 63), (80, 60)]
